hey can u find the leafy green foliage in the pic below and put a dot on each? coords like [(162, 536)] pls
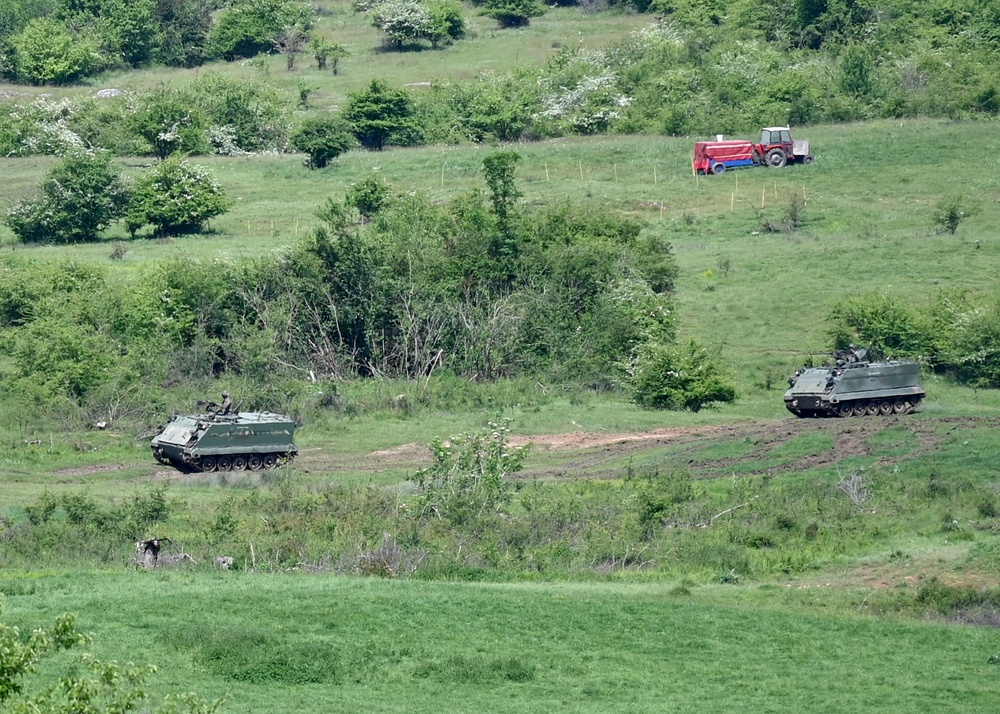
[(20, 656), (183, 32), (956, 333), (368, 195), (176, 197), (244, 115), (408, 21), (246, 27), (512, 13), (322, 139), (470, 474), (46, 52), (950, 211), (94, 687), (170, 122), (80, 198), (382, 116), (686, 377), (128, 29)]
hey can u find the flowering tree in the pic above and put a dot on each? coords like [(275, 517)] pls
[(176, 197)]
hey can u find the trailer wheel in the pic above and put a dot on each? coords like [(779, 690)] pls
[(719, 168), (776, 158), (807, 159)]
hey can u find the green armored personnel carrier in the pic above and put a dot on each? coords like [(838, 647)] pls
[(224, 442), (855, 386)]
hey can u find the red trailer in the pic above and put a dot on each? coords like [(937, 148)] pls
[(776, 148)]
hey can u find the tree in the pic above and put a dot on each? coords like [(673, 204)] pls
[(45, 52), (322, 139), (381, 116), (498, 170), (176, 197), (170, 122), (324, 50), (183, 32), (512, 13), (128, 29), (80, 197), (290, 42), (447, 23), (247, 27)]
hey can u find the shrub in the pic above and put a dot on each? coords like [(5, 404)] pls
[(950, 211), (667, 377), (368, 195), (80, 198), (248, 115), (46, 52), (176, 197), (402, 21), (247, 27), (381, 116), (169, 121), (512, 13), (322, 139)]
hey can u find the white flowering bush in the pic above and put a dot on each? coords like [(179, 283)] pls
[(175, 197), (402, 21), (80, 198)]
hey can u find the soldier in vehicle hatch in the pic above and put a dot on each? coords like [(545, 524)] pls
[(227, 404)]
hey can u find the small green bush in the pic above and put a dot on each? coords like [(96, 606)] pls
[(322, 139), (668, 377), (176, 197)]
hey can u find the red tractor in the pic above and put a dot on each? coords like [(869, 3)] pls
[(776, 148)]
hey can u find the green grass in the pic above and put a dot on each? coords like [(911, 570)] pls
[(324, 644), (633, 643)]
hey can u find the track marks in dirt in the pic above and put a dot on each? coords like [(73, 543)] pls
[(581, 454)]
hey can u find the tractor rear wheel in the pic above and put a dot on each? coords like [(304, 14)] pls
[(776, 158)]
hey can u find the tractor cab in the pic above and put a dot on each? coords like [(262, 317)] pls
[(776, 137)]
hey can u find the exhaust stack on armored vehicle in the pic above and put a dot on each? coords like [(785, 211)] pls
[(855, 386)]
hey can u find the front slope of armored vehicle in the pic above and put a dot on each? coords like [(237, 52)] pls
[(855, 387), (224, 442)]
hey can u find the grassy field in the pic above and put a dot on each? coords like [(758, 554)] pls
[(828, 634), (306, 643)]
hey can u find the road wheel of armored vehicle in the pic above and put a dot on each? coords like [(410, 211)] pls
[(899, 406), (254, 462), (871, 408), (858, 409), (885, 407), (270, 461), (776, 158), (239, 462), (224, 463), (208, 463), (845, 410)]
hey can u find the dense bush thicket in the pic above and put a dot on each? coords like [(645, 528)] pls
[(477, 287), (956, 333), (703, 67)]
